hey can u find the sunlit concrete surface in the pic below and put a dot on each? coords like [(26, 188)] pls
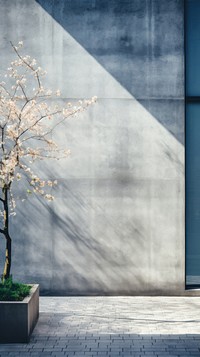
[(114, 326), (117, 223)]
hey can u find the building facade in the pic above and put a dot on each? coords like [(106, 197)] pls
[(117, 225)]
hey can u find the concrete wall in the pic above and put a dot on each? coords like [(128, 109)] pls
[(117, 224)]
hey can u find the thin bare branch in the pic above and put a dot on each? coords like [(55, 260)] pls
[(23, 91), (27, 64), (2, 86)]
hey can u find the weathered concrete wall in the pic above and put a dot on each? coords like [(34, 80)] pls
[(117, 224)]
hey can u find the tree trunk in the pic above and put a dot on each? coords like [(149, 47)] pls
[(7, 265), (5, 231)]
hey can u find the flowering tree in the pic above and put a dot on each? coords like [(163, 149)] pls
[(27, 123)]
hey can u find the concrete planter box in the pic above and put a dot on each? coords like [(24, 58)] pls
[(18, 318)]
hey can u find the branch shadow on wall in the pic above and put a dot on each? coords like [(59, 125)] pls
[(55, 247), (80, 245)]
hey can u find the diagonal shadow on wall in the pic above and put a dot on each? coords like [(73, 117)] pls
[(138, 43)]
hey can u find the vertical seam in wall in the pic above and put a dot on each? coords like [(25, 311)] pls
[(184, 64), (148, 43)]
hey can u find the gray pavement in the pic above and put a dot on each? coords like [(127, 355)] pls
[(113, 326)]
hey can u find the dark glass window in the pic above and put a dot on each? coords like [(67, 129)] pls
[(192, 129)]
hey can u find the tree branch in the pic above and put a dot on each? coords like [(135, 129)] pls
[(27, 64), (37, 121)]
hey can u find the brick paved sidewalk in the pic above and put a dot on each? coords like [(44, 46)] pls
[(114, 326)]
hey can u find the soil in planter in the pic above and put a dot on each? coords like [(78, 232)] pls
[(11, 291)]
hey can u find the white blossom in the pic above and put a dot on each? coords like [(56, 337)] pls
[(25, 130)]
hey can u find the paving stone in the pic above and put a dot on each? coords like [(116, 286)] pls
[(113, 326)]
